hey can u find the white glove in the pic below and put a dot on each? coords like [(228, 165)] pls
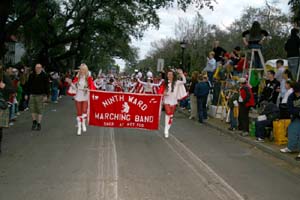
[(240, 99), (236, 103)]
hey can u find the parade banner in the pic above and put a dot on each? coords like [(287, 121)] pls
[(124, 110)]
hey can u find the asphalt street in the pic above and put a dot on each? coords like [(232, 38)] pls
[(195, 163)]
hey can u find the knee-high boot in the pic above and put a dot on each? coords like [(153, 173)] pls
[(79, 124), (84, 116), (167, 125)]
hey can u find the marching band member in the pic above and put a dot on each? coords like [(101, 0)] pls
[(99, 82), (174, 91), (149, 86), (138, 87), (82, 83)]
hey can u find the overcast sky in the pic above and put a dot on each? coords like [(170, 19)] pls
[(224, 13)]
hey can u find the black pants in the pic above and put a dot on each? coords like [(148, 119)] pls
[(243, 118)]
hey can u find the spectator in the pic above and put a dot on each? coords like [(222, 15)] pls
[(283, 107), (289, 91), (193, 98), (280, 69), (219, 52), (54, 86), (210, 66), (236, 55), (6, 89), (239, 67), (270, 113), (271, 90), (38, 88), (246, 100), (233, 104), (201, 92), (294, 127), (287, 75), (292, 47), (256, 36)]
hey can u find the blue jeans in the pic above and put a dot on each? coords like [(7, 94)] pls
[(233, 120), (256, 63), (210, 76), (293, 66), (294, 135), (12, 112), (54, 94), (260, 128), (202, 110)]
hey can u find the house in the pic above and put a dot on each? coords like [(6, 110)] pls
[(15, 51)]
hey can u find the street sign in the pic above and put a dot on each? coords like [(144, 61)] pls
[(160, 64)]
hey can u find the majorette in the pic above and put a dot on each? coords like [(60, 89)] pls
[(174, 91)]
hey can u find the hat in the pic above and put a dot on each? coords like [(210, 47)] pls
[(242, 80), (296, 87), (149, 75)]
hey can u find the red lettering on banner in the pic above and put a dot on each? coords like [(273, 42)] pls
[(124, 110)]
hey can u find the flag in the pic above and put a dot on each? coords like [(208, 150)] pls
[(124, 110)]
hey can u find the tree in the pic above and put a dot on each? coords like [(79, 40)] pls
[(93, 30), (200, 37), (295, 8)]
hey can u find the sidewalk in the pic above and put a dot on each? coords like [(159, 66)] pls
[(267, 146)]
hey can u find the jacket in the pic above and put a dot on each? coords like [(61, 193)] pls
[(294, 106), (271, 111), (201, 89), (8, 89), (247, 96), (38, 84)]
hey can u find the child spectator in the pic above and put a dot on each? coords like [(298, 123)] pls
[(233, 106), (201, 92), (210, 66)]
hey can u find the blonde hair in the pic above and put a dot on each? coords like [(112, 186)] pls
[(84, 67), (211, 53)]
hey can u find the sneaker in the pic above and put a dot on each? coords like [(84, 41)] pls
[(55, 102), (191, 117), (26, 109), (297, 158), (244, 133), (11, 124), (38, 127), (285, 150), (34, 125), (260, 140)]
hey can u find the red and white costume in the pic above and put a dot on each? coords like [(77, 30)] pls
[(82, 85), (148, 87), (171, 99)]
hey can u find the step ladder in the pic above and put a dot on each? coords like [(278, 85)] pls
[(252, 51)]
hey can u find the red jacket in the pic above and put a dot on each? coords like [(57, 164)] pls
[(247, 96), (91, 85), (240, 65)]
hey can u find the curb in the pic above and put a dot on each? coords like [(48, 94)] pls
[(261, 146)]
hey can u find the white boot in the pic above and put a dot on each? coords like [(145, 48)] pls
[(167, 126), (83, 122), (79, 124)]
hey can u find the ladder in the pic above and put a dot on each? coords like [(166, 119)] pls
[(252, 51)]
